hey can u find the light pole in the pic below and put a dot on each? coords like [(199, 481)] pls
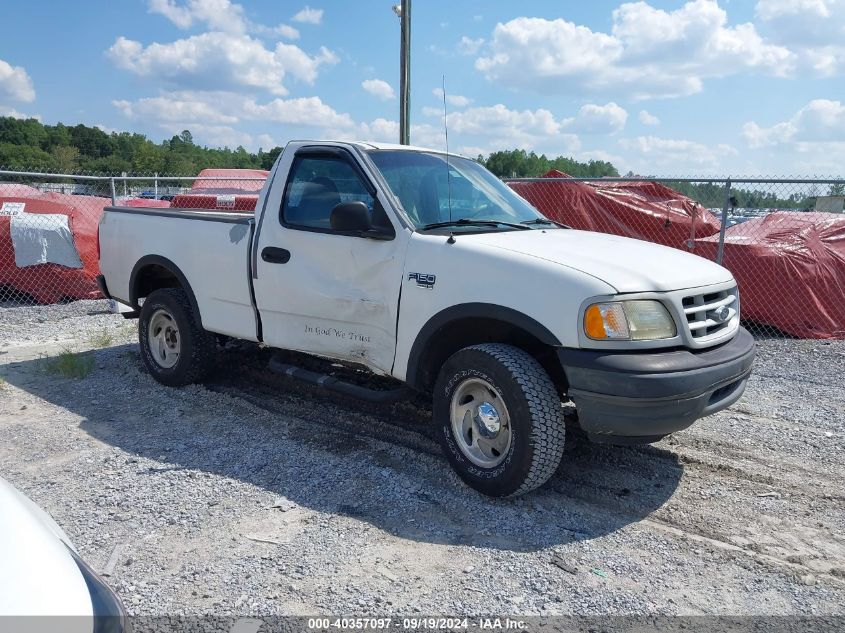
[(403, 11)]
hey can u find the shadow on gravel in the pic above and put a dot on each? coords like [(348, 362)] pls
[(314, 461)]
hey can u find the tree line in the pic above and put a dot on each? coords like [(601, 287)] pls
[(29, 145)]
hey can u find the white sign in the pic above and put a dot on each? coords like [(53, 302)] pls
[(226, 202), (12, 208)]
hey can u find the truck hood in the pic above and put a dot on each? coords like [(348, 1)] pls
[(626, 264), (38, 575)]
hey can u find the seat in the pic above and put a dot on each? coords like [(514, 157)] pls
[(319, 197)]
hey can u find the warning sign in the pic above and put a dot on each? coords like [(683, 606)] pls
[(226, 202), (12, 208)]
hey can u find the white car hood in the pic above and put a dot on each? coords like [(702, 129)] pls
[(626, 264), (38, 575)]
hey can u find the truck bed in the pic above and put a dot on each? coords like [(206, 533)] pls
[(210, 248)]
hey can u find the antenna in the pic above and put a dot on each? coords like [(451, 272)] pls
[(448, 167)]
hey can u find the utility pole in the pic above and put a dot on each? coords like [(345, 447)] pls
[(404, 13)]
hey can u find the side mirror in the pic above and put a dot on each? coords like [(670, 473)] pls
[(354, 217), (350, 216)]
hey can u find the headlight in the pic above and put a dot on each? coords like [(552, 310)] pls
[(628, 321)]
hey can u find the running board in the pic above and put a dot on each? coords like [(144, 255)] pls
[(338, 386)]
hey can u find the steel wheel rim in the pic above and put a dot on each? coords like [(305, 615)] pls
[(163, 339), (480, 422)]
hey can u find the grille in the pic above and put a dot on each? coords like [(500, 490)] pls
[(705, 314)]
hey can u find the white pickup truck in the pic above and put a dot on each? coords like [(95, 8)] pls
[(427, 268)]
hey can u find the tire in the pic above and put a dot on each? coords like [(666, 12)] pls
[(521, 397), (182, 353)]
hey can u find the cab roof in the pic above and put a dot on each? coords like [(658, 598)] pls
[(376, 145)]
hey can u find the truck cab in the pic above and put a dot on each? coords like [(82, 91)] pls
[(425, 267)]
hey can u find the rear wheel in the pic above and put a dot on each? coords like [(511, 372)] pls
[(500, 419), (174, 348)]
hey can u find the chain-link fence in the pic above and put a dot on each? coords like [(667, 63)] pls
[(784, 240), (48, 223)]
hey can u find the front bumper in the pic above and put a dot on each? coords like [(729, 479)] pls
[(635, 397)]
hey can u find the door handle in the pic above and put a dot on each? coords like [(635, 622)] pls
[(273, 255)]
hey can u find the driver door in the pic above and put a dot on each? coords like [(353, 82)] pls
[(320, 290)]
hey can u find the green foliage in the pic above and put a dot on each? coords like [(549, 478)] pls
[(101, 339), (517, 163), (712, 196), (29, 145), (69, 364)]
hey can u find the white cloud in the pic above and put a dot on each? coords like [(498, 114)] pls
[(379, 89), (309, 16), (179, 15), (15, 83), (216, 135), (459, 101), (266, 142), (649, 52), (178, 107), (305, 111), (812, 140), (813, 29), (505, 128), (820, 122), (287, 31), (218, 15), (216, 60), (215, 117), (15, 114), (300, 64), (469, 46), (773, 9), (647, 118), (598, 119), (676, 154), (191, 108)]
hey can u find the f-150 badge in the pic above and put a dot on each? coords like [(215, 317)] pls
[(424, 280)]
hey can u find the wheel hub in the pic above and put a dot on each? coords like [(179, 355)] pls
[(163, 339), (487, 421), (480, 422)]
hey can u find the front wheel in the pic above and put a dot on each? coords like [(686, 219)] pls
[(500, 420), (174, 348)]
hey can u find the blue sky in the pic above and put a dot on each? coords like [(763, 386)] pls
[(739, 87)]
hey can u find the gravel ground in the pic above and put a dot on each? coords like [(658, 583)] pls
[(254, 495)]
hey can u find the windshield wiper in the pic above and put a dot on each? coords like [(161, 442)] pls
[(545, 222), (471, 222)]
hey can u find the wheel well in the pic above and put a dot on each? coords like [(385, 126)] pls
[(153, 277), (460, 333), (154, 272)]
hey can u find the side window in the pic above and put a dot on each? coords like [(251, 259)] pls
[(316, 185)]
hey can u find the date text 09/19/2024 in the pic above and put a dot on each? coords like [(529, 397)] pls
[(417, 623)]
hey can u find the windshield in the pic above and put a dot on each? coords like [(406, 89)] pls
[(430, 195)]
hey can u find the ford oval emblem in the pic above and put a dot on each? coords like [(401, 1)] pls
[(720, 315)]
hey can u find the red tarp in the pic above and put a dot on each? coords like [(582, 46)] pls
[(790, 267), (642, 210), (226, 195), (148, 203), (50, 283)]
